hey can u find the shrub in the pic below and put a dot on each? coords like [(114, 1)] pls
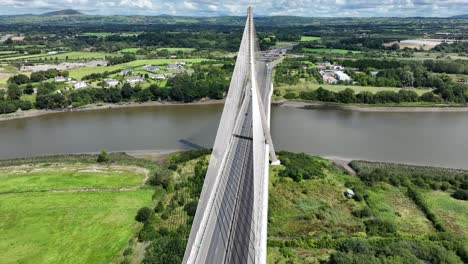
[(147, 233), (25, 105), (290, 95), (160, 207), (143, 214), (363, 213), (301, 166), (379, 227), (460, 194), (191, 208), (163, 178), (356, 245), (103, 157)]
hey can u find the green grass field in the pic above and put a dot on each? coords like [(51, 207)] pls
[(310, 38), (312, 85), (80, 72), (325, 50), (88, 227), (58, 177), (452, 212), (130, 50), (311, 206), (70, 226), (177, 49), (7, 52), (107, 34), (78, 55), (392, 204)]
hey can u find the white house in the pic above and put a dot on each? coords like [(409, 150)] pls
[(125, 72), (173, 67), (79, 85), (181, 63), (134, 79), (341, 76), (112, 82), (151, 68), (59, 79), (157, 76)]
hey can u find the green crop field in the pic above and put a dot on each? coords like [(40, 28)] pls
[(324, 50), (42, 225), (309, 38)]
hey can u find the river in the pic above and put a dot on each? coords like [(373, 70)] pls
[(437, 139)]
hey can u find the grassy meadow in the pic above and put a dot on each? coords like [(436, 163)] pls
[(64, 176), (86, 227), (76, 55), (313, 85), (311, 221), (309, 38), (47, 217)]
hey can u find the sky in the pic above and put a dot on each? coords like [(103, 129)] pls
[(309, 8)]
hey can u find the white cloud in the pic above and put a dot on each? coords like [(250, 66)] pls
[(136, 3), (238, 7)]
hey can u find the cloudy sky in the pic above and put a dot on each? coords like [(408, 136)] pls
[(315, 8)]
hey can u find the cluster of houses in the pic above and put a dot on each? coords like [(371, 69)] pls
[(333, 73), (154, 72)]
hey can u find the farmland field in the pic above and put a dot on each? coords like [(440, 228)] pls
[(324, 50), (309, 38), (63, 56), (177, 49), (304, 86), (80, 72), (40, 225)]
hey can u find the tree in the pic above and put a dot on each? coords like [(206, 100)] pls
[(143, 214), (14, 92), (2, 95), (103, 157), (19, 79), (29, 89), (127, 91)]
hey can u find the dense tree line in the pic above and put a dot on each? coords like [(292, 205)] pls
[(121, 59), (457, 47), (348, 96)]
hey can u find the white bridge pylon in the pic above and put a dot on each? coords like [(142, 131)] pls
[(230, 225)]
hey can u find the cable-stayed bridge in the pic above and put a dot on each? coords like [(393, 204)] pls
[(230, 225)]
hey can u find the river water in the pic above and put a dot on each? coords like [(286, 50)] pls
[(438, 139)]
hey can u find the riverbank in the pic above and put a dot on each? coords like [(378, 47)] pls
[(370, 108), (36, 112), (283, 103)]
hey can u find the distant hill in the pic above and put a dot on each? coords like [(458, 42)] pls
[(66, 12), (460, 16)]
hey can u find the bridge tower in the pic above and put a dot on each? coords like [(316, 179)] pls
[(230, 225)]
